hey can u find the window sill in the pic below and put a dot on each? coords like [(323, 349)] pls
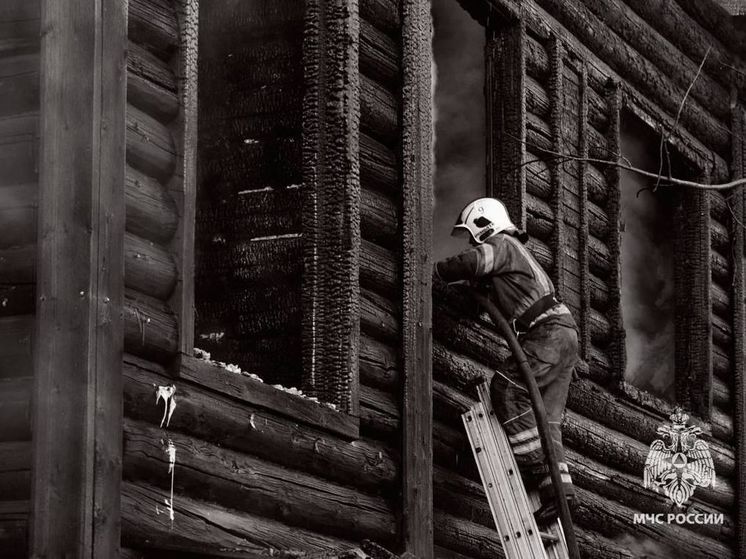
[(257, 393)]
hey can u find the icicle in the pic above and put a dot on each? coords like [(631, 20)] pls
[(169, 402)]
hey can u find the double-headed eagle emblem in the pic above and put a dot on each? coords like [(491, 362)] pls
[(682, 465)]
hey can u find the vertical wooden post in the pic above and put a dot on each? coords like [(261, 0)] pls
[(331, 202), (693, 349), (613, 175), (417, 154), (183, 185), (585, 280), (506, 117), (738, 202), (77, 421)]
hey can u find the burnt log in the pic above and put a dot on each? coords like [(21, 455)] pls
[(378, 317), (720, 237), (379, 220), (17, 264), (721, 394), (379, 364), (153, 24), (722, 333), (379, 414), (721, 364), (537, 60), (20, 78), (16, 345), (719, 206), (719, 268), (599, 257), (378, 166), (245, 483), (540, 221), (379, 111), (384, 13), (259, 432), (538, 176), (151, 84), (599, 293), (15, 470), (205, 527), (18, 205), (379, 269), (15, 409), (379, 56), (722, 425), (150, 209), (148, 267)]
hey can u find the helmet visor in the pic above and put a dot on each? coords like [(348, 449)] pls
[(461, 231)]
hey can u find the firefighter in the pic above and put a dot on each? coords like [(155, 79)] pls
[(500, 264)]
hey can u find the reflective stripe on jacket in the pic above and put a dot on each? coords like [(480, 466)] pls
[(519, 279)]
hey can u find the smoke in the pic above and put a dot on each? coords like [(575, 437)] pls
[(647, 285), (458, 47)]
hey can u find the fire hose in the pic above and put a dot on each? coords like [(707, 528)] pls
[(540, 413)]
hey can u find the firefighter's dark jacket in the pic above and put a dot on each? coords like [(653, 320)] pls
[(519, 279)]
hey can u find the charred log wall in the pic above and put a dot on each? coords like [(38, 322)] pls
[(19, 137), (248, 280)]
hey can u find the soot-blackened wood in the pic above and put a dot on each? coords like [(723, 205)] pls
[(416, 340), (379, 269), (379, 364), (383, 13), (378, 166), (505, 75), (151, 84), (693, 322), (331, 203), (259, 394), (251, 429), (379, 56), (80, 289), (153, 23), (587, 27), (204, 528), (245, 483), (15, 470), (183, 184), (738, 128)]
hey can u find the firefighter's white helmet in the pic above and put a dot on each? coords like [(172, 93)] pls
[(484, 218)]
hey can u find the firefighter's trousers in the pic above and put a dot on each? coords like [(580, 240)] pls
[(551, 348)]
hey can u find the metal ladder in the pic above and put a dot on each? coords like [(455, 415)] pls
[(512, 509)]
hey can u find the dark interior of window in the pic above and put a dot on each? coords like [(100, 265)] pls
[(650, 222), (458, 47)]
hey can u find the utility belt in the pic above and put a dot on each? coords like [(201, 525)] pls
[(523, 323)]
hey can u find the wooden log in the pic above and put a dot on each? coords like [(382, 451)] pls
[(720, 237), (378, 166), (18, 214), (539, 218), (612, 519), (379, 364), (597, 185), (721, 394), (379, 111), (151, 84), (150, 145), (642, 36), (15, 470), (152, 23), (617, 413), (17, 264), (579, 21), (719, 207), (248, 484), (599, 257), (537, 177), (148, 268), (379, 56), (457, 370), (203, 527), (19, 84), (722, 333), (721, 364), (15, 409), (449, 403), (670, 18), (598, 221), (609, 482), (599, 293), (151, 211), (537, 60), (249, 429), (537, 99), (719, 268), (379, 220), (600, 328), (254, 392), (379, 269), (538, 135), (383, 13), (722, 425), (14, 525), (720, 301), (280, 258), (150, 328), (608, 446), (19, 156), (542, 253), (378, 316), (379, 414)]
